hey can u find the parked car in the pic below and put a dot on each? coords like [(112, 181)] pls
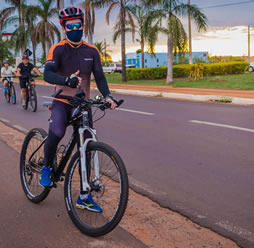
[(113, 68), (251, 67)]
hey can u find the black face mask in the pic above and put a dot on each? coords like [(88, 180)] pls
[(75, 35)]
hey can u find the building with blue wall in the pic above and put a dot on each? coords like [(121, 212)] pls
[(133, 60)]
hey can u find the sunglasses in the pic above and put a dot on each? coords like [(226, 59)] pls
[(71, 26)]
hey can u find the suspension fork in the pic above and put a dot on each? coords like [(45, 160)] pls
[(83, 157)]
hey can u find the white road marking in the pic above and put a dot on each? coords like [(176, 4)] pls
[(122, 109), (48, 97), (4, 120), (135, 111), (222, 125), (22, 129)]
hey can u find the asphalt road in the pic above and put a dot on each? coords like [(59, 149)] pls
[(195, 158)]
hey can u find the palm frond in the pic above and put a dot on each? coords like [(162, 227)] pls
[(114, 4)]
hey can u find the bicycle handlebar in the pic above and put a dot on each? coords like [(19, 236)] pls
[(79, 99)]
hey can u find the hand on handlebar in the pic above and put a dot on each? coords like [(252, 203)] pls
[(110, 100)]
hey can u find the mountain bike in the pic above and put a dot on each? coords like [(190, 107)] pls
[(30, 94), (95, 168), (10, 94)]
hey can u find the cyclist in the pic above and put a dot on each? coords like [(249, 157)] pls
[(68, 59), (24, 73), (6, 73)]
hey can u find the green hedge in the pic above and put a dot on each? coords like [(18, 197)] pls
[(179, 71)]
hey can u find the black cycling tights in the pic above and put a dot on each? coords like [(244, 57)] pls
[(60, 116)]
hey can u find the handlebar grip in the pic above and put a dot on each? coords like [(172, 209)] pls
[(120, 102), (57, 93)]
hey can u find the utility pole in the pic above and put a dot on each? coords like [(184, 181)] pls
[(190, 39), (249, 44), (105, 50)]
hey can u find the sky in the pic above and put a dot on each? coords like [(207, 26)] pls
[(226, 33)]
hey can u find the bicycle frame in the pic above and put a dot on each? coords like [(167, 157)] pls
[(78, 133)]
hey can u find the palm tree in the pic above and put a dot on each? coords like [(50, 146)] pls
[(89, 8), (31, 19), (145, 27), (123, 16), (102, 48), (171, 10), (46, 28), (6, 18)]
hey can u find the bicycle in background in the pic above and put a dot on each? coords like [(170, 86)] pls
[(10, 93), (30, 94)]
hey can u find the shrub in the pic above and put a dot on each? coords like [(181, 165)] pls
[(179, 71)]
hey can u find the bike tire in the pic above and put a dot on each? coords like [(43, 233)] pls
[(13, 95), (33, 99), (26, 99), (111, 222), (26, 169), (7, 94)]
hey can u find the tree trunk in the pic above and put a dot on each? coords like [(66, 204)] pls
[(122, 20), (190, 39), (170, 60), (90, 39), (61, 6), (143, 54), (170, 48), (34, 53)]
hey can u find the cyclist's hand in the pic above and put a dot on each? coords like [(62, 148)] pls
[(73, 81), (110, 100)]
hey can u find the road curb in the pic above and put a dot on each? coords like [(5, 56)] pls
[(183, 96)]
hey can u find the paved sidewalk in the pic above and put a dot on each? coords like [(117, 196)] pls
[(45, 225)]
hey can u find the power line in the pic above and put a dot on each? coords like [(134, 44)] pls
[(228, 4)]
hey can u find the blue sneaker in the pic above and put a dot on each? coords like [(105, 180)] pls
[(88, 204), (45, 177)]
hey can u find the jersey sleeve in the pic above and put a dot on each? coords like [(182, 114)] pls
[(52, 65), (99, 76)]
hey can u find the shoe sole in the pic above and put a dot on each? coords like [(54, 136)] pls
[(84, 207)]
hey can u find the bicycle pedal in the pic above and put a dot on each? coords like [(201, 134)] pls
[(54, 185)]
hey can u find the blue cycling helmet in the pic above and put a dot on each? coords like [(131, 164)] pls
[(6, 62)]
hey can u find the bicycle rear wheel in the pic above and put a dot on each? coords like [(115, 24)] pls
[(13, 94), (30, 168), (33, 99), (7, 94), (110, 191)]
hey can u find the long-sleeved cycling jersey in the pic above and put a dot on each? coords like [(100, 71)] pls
[(65, 59)]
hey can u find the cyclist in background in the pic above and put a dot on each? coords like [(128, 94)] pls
[(66, 61), (24, 73), (6, 74)]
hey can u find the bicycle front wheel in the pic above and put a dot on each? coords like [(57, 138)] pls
[(30, 166), (13, 95), (33, 99), (110, 191)]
